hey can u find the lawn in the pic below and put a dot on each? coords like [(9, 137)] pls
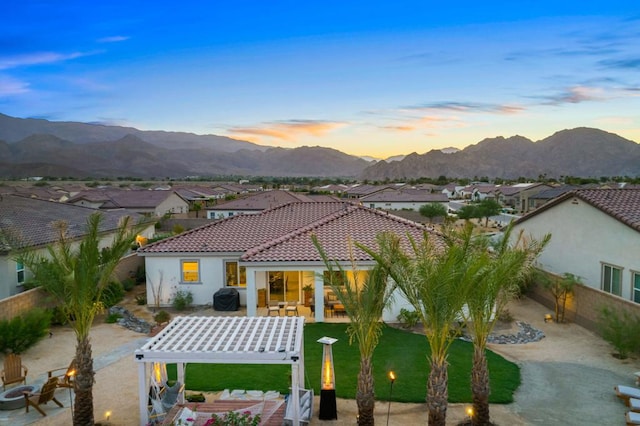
[(403, 352)]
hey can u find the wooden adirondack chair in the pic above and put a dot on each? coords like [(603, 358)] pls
[(67, 379), (14, 371), (46, 394)]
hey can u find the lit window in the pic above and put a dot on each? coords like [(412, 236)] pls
[(235, 276), (611, 279), (190, 271), (20, 272), (636, 287)]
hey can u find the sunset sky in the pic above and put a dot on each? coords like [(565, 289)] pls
[(367, 78)]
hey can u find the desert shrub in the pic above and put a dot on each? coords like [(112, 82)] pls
[(621, 329), (407, 318), (182, 300), (128, 284), (112, 318), (112, 294), (58, 316), (177, 229), (195, 397), (141, 299), (141, 274), (505, 316), (22, 332), (162, 317)]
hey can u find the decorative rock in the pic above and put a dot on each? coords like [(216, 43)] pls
[(527, 334), (129, 321)]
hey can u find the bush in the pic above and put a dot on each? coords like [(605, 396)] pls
[(408, 319), (141, 274), (621, 331), (112, 318), (182, 300), (141, 299), (195, 397), (128, 284), (177, 229), (112, 294), (58, 316), (20, 333), (162, 317)]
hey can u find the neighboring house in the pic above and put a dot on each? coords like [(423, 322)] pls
[(452, 190), (362, 190), (258, 202), (518, 196), (543, 197), (32, 223), (404, 199), (271, 253), (151, 203), (478, 192), (595, 235), (331, 189)]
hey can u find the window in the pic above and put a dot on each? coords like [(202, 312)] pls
[(611, 279), (235, 276), (190, 271), (636, 287), (20, 272), (337, 278)]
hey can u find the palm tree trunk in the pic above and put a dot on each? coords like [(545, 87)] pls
[(437, 393), (480, 388), (83, 408), (365, 397)]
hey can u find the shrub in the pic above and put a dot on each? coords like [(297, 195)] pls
[(128, 284), (141, 299), (505, 316), (182, 300), (22, 332), (408, 319), (112, 294), (112, 318), (162, 317), (141, 275), (621, 331), (58, 316), (177, 229), (195, 397)]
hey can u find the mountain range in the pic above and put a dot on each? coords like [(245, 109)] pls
[(37, 147)]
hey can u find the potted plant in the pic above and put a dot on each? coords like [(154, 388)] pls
[(307, 291)]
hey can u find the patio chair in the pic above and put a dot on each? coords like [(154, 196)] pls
[(14, 371), (626, 392), (292, 307), (46, 394), (273, 306), (67, 379), (632, 418)]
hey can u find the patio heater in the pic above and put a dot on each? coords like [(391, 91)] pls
[(328, 408)]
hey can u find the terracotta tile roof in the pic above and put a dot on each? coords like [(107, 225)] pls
[(128, 199), (406, 196), (621, 204), (283, 233), (360, 224), (549, 194), (262, 201), (29, 222)]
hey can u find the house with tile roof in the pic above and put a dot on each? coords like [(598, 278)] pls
[(255, 203), (271, 253), (595, 235), (518, 196), (147, 202), (29, 223), (541, 198), (403, 199)]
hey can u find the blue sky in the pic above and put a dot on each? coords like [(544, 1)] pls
[(367, 78)]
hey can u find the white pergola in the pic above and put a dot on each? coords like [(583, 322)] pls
[(225, 340)]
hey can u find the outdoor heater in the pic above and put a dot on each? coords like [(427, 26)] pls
[(328, 409)]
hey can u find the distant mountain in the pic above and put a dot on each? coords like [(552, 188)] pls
[(14, 129), (83, 150), (582, 152)]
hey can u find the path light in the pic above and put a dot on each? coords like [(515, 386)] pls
[(392, 378), (71, 382), (107, 415), (469, 411), (548, 318), (328, 408)]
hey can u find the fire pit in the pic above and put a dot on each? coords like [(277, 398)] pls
[(13, 398)]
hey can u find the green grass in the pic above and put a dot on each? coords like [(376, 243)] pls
[(403, 352)]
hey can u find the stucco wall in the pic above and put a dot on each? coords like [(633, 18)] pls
[(583, 238), (18, 304)]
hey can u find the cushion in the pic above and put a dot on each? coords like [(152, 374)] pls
[(633, 418)]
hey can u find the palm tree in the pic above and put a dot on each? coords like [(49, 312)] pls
[(502, 267), (76, 277), (434, 279), (363, 300)]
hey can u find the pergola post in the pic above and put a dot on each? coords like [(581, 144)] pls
[(142, 391), (252, 293), (318, 297)]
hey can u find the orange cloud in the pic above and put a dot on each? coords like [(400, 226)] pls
[(285, 130)]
